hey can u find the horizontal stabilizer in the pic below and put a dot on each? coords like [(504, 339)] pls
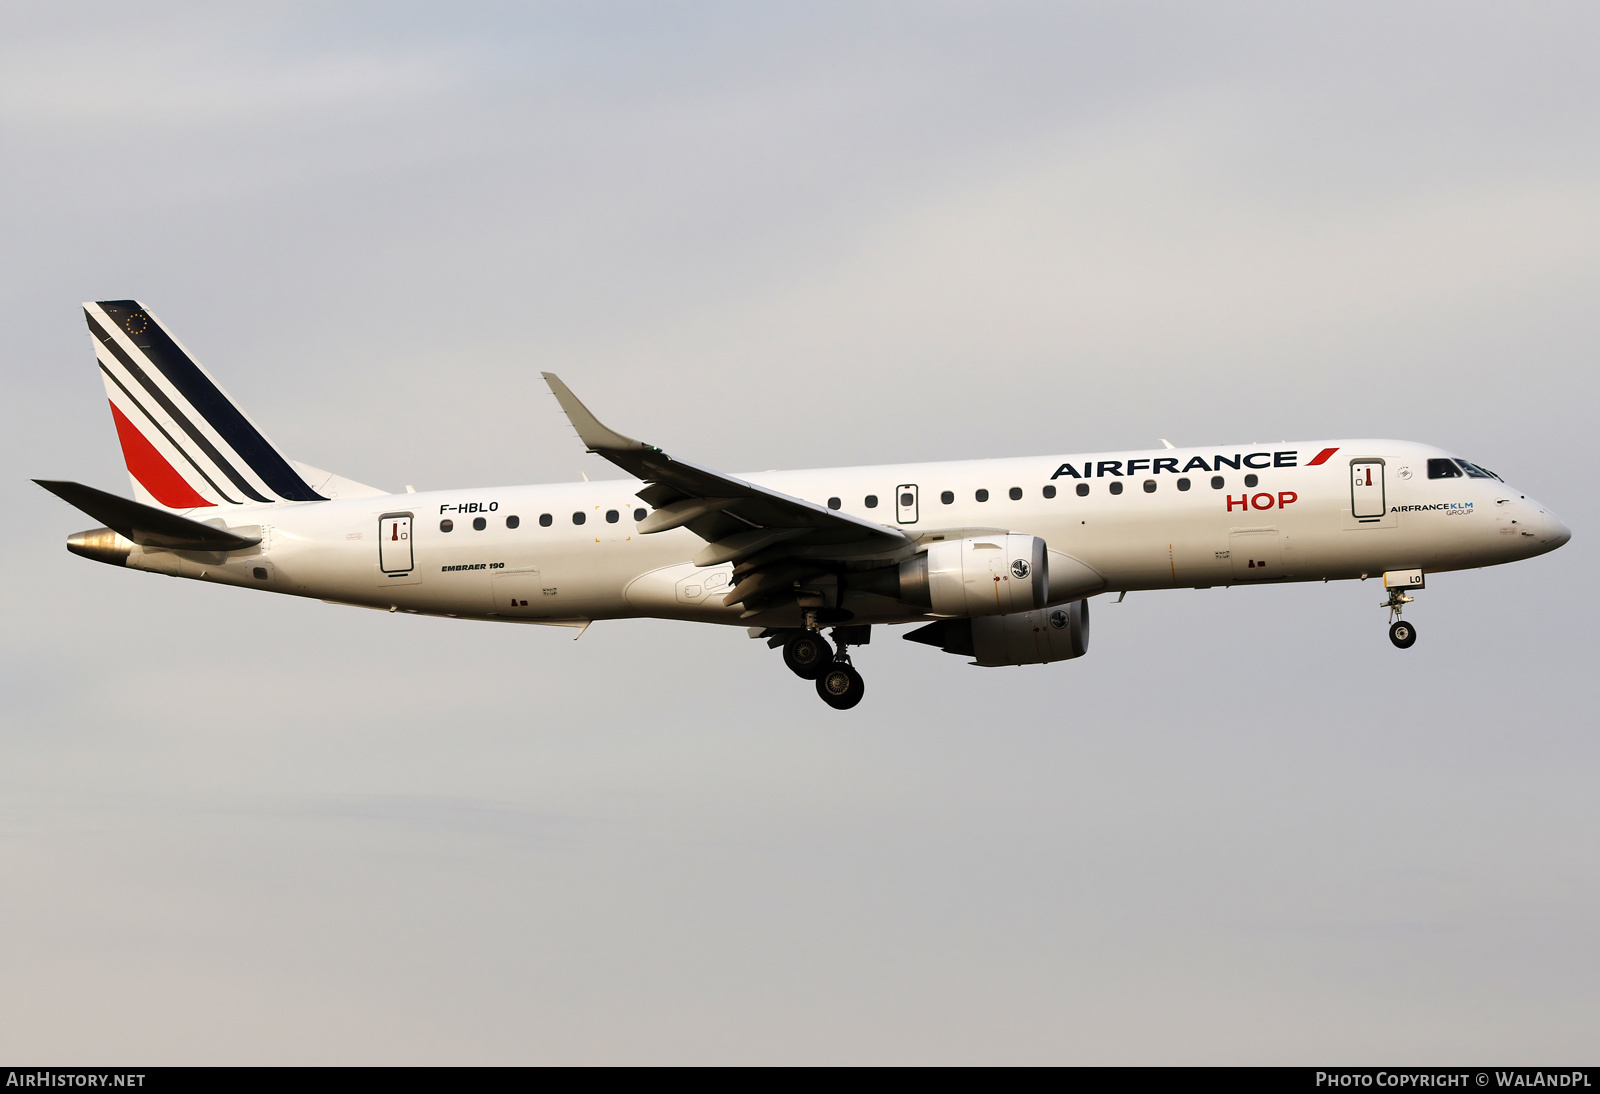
[(145, 524)]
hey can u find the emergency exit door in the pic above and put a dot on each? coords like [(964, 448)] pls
[(1366, 490), (905, 503), (394, 543)]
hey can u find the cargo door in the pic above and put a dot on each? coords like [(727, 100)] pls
[(1256, 554), (522, 593)]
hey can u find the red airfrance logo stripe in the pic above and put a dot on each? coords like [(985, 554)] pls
[(151, 468), (1322, 457)]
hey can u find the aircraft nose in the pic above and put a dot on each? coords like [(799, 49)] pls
[(1556, 531), (1549, 530)]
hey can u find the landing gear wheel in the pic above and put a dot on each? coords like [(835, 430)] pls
[(808, 655), (841, 686), (1403, 634)]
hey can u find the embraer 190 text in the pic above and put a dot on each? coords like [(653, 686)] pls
[(997, 559)]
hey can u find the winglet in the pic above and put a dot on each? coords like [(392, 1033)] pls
[(597, 437)]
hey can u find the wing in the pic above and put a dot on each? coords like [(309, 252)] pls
[(779, 545)]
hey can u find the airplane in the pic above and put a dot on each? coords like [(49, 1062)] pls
[(997, 559)]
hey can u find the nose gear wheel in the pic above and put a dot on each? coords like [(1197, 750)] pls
[(1401, 633)]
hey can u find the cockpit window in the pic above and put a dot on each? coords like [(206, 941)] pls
[(1443, 469), (1475, 471)]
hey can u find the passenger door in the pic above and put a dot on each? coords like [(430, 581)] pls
[(396, 555), (1366, 490)]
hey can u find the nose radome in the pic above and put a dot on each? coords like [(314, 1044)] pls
[(1557, 532)]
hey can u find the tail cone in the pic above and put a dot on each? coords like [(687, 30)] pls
[(102, 545)]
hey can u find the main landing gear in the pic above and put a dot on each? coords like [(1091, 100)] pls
[(1401, 633), (810, 657), (807, 654), (841, 686)]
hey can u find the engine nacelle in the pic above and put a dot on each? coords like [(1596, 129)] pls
[(978, 576), (1027, 638)]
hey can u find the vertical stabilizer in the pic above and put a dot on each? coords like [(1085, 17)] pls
[(186, 443)]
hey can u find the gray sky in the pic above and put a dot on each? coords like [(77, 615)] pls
[(239, 828)]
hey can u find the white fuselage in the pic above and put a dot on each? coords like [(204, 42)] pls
[(1294, 522)]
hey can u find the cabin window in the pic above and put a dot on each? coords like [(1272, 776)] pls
[(1115, 487), (446, 525), (1443, 469), (982, 495), (834, 503), (1149, 486), (259, 573), (479, 524), (908, 499), (579, 517), (545, 520), (1183, 484), (512, 522), (947, 498), (1216, 482), (638, 514), (611, 516), (871, 501), (1252, 480), (1016, 493), (1050, 491), (1083, 490)]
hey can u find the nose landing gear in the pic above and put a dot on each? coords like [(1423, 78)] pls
[(1401, 633)]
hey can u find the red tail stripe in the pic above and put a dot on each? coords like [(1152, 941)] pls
[(1322, 457), (152, 470)]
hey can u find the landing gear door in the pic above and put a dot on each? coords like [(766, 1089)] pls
[(905, 503), (1366, 490), (396, 555)]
